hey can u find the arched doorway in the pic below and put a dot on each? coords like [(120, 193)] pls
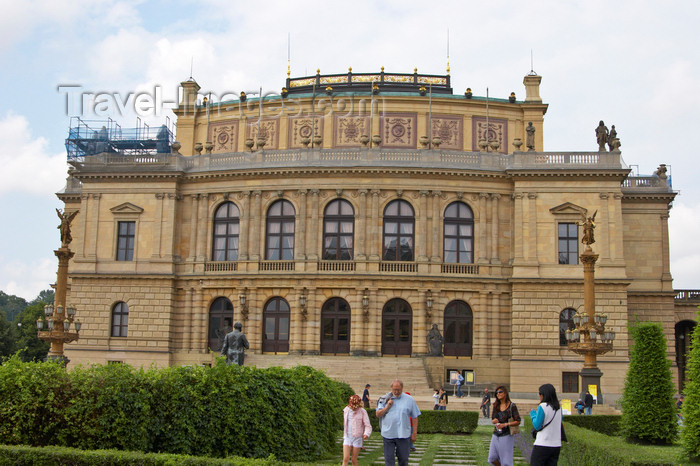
[(684, 333), (220, 322), (397, 322), (276, 326), (458, 329), (335, 326)]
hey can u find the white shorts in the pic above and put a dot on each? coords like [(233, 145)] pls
[(353, 441)]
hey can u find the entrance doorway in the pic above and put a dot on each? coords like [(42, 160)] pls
[(458, 329), (335, 327), (397, 322), (276, 326)]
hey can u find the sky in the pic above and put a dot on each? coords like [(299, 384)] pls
[(634, 64)]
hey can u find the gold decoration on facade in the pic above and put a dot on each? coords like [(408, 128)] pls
[(224, 136), (349, 130), (432, 80), (343, 78), (366, 78)]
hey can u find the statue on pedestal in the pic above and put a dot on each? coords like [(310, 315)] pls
[(588, 229), (601, 135), (235, 343), (435, 341), (530, 138), (64, 227)]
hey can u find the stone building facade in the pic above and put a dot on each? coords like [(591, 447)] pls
[(350, 214)]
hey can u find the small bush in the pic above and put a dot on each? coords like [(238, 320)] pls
[(690, 433), (648, 408), (438, 422), (608, 424)]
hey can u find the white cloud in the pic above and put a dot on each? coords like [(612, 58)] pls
[(27, 164), (27, 279), (684, 231)]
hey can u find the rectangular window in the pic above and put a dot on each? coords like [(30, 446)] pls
[(569, 382), (568, 243), (126, 235)]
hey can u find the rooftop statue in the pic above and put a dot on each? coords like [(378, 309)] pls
[(601, 134), (613, 141), (530, 139)]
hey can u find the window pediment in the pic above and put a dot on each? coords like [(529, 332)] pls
[(126, 208), (569, 209)]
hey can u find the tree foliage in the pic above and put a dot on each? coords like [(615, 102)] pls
[(12, 305), (648, 407), (7, 336), (690, 433), (28, 343)]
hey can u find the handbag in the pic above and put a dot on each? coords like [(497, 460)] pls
[(514, 429), (563, 434)]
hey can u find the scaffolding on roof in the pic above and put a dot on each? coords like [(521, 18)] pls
[(91, 137)]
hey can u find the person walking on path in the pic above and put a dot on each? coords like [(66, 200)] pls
[(588, 404), (443, 400), (486, 403), (505, 414), (436, 396), (547, 420), (356, 429), (460, 381), (365, 397), (395, 411)]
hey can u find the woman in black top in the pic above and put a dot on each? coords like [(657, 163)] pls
[(501, 448)]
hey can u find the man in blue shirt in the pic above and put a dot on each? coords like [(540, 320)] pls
[(395, 412)]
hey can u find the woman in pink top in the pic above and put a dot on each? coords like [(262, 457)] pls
[(356, 428)]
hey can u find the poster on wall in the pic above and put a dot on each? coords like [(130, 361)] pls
[(594, 392)]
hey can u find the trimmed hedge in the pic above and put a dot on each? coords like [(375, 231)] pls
[(219, 411), (438, 422), (20, 455), (690, 432), (608, 424)]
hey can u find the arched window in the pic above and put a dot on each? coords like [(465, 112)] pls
[(398, 231), (280, 231), (566, 322), (276, 326), (458, 234), (226, 228), (220, 322), (335, 326), (338, 231), (458, 329), (120, 319)]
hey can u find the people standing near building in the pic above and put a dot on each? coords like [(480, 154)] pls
[(588, 403), (365, 396), (460, 381), (547, 420), (579, 406), (504, 415), (486, 403), (443, 400), (356, 429), (395, 411), (436, 397)]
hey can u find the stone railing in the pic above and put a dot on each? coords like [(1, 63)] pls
[(646, 183), (688, 295)]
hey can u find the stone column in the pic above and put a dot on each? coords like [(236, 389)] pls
[(437, 214), (191, 256), (604, 237), (300, 246), (313, 242), (532, 239), (170, 209), (616, 248), (94, 224), (373, 231), (360, 235), (83, 216), (484, 331), (422, 237), (296, 323), (495, 337), (518, 227), (202, 227), (187, 319), (157, 226), (495, 234), (199, 317), (244, 226), (665, 253), (482, 226), (256, 220)]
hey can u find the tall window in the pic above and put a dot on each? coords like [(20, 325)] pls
[(126, 235), (569, 382), (280, 231), (566, 322), (226, 229), (459, 234), (338, 230), (398, 231), (120, 319), (568, 243)]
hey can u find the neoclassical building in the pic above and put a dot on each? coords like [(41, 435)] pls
[(349, 214)]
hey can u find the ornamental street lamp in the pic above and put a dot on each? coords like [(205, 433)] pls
[(58, 316), (589, 336)]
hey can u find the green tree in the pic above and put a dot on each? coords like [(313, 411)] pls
[(32, 348), (12, 305), (648, 408), (690, 433), (7, 336), (44, 296)]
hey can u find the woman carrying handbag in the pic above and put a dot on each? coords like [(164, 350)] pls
[(547, 423), (506, 418)]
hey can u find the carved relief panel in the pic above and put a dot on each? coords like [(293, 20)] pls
[(347, 130), (398, 130), (497, 131), (449, 129), (269, 129), (303, 127), (224, 135)]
